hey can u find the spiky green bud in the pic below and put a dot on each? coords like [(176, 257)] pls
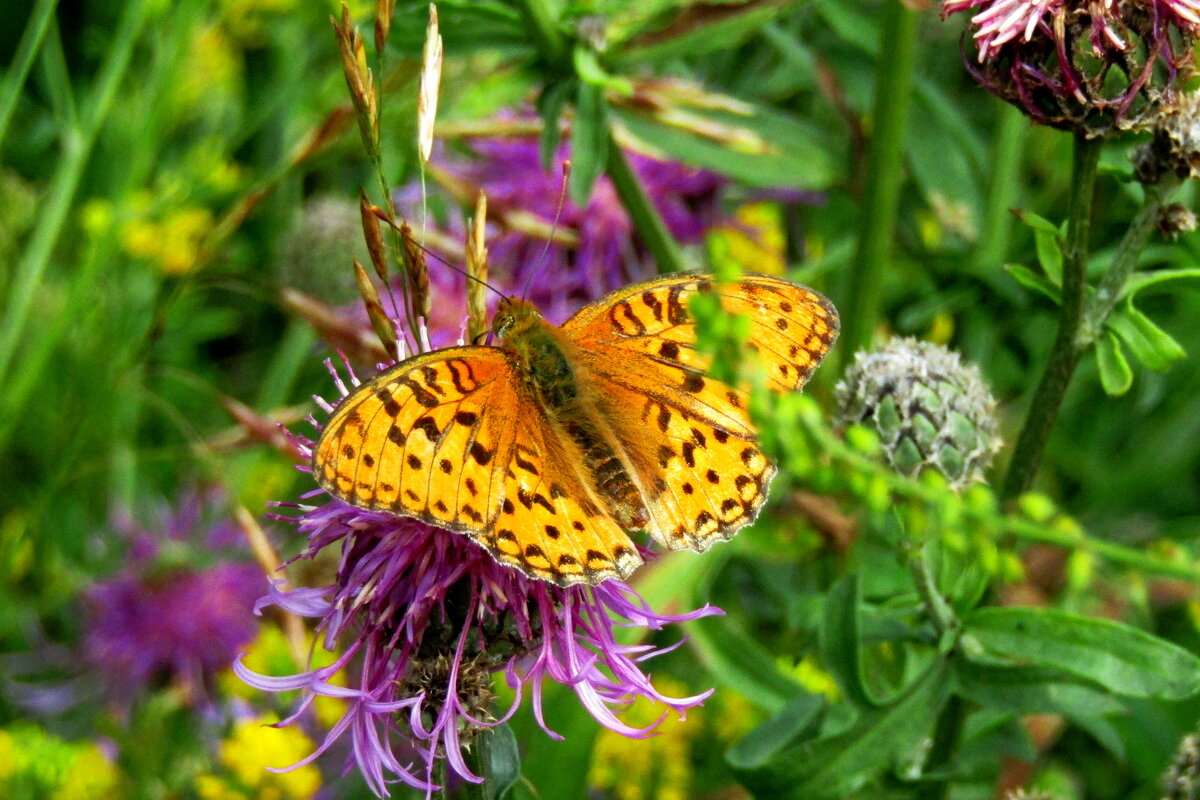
[(930, 409)]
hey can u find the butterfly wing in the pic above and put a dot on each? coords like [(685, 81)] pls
[(688, 437), (449, 437)]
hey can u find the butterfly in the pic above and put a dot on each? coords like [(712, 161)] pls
[(550, 447)]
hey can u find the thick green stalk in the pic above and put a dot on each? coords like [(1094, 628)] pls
[(644, 215), (1003, 185), (1108, 291), (893, 88), (1065, 352), (27, 50), (77, 146)]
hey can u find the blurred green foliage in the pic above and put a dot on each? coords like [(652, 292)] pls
[(881, 637)]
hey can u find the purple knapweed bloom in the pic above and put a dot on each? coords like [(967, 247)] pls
[(163, 619), (606, 253), (1090, 66), (425, 619)]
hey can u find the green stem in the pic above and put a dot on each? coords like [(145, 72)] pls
[(1069, 538), (1108, 291), (950, 721), (27, 50), (1065, 352), (77, 145), (644, 215), (1004, 183), (893, 89)]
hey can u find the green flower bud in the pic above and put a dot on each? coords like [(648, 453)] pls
[(931, 410)]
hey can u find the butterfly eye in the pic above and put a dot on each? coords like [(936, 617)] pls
[(502, 324)]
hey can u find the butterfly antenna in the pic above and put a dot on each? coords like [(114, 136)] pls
[(562, 199)]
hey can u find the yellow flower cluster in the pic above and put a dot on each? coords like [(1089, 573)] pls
[(54, 768), (638, 769), (250, 749)]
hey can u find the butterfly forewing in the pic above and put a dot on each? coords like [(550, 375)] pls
[(449, 437)]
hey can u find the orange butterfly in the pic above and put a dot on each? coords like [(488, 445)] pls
[(549, 447)]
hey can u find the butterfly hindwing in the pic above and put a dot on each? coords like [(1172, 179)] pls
[(691, 442)]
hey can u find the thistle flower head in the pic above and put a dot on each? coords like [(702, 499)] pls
[(1090, 66), (425, 619), (162, 619), (930, 409)]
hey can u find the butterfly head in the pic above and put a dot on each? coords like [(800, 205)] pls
[(514, 316)]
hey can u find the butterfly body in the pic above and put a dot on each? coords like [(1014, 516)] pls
[(543, 365), (549, 448)]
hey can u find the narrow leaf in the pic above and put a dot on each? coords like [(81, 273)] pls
[(589, 142), (839, 640), (550, 104), (735, 659), (835, 767), (1144, 279), (795, 723), (1031, 280), (1149, 343), (502, 761), (1115, 375), (1125, 660)]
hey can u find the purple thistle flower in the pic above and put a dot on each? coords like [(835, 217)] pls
[(607, 253), (426, 617), (1092, 66), (160, 620)]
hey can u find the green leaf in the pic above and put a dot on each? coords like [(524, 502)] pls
[(550, 105), (796, 153), (1149, 343), (720, 29), (1031, 280), (795, 723), (502, 761), (738, 661), (836, 766), (1048, 240), (1038, 690), (839, 640), (1144, 279), (1124, 660), (589, 142), (1115, 375)]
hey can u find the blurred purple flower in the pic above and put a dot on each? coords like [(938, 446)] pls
[(427, 616), (608, 253), (1092, 66), (162, 619)]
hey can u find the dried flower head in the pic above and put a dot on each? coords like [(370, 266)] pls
[(1090, 66), (930, 409), (1175, 148)]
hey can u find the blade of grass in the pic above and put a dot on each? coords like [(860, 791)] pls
[(27, 50)]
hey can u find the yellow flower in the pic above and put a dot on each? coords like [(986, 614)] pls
[(753, 241), (639, 769), (816, 680), (91, 776), (174, 243), (254, 746)]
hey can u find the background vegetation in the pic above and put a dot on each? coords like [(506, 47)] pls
[(167, 170)]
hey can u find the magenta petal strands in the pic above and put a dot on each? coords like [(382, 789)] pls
[(425, 619)]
